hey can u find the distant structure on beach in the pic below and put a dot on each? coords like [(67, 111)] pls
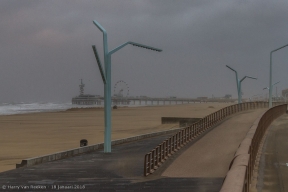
[(85, 99), (121, 93), (121, 97)]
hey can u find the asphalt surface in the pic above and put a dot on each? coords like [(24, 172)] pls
[(273, 166), (119, 171)]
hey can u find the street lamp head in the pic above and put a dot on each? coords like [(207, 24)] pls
[(231, 68), (252, 77), (266, 88), (247, 77), (99, 64), (276, 83), (145, 46)]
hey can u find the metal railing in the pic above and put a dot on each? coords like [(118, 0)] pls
[(157, 156), (249, 155), (263, 124)]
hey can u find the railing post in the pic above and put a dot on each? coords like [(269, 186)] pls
[(176, 142), (166, 142), (193, 131), (196, 129), (156, 157), (201, 126), (145, 165), (185, 131), (152, 160), (148, 164), (206, 122), (210, 120), (170, 146), (161, 152), (179, 140)]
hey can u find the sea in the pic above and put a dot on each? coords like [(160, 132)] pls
[(21, 108)]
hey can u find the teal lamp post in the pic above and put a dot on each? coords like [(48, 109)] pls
[(239, 82), (285, 97), (106, 77), (271, 92), (270, 80)]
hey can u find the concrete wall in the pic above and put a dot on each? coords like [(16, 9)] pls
[(180, 120)]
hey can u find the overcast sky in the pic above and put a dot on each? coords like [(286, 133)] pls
[(45, 47)]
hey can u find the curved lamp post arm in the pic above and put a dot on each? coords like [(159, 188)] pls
[(272, 86), (105, 44), (134, 44), (99, 26), (235, 73), (240, 85), (237, 82), (247, 77)]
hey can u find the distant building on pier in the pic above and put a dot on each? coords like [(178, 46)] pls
[(86, 99)]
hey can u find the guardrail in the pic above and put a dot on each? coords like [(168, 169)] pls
[(244, 164), (157, 156)]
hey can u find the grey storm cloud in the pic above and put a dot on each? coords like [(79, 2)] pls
[(45, 47)]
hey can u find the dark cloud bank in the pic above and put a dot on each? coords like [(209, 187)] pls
[(45, 47)]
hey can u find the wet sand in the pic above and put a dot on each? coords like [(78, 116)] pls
[(30, 135)]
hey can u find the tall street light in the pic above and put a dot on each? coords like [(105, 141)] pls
[(106, 77), (285, 97), (271, 90), (238, 82), (270, 81)]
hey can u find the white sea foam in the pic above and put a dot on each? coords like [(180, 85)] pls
[(20, 108)]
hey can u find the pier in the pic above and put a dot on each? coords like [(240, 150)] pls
[(160, 101), (94, 100)]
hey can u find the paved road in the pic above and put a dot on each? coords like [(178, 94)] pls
[(122, 170), (273, 169)]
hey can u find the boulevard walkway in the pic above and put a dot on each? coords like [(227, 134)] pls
[(199, 166), (273, 169)]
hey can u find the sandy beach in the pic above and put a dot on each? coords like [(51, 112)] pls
[(35, 134)]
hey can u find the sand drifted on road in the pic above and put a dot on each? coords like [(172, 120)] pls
[(30, 135)]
